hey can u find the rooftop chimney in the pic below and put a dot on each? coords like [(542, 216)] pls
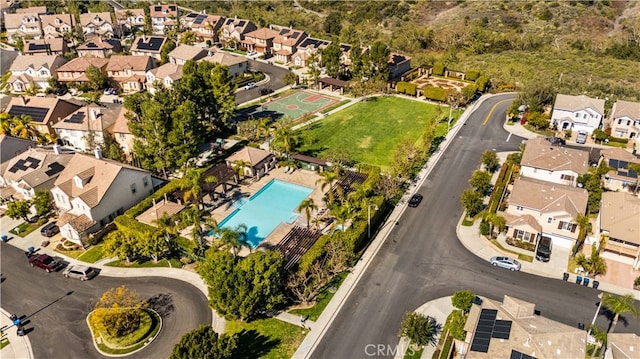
[(98, 153), (56, 149)]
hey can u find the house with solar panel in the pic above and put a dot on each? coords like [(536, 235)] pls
[(148, 46), (99, 47), (512, 329), (97, 24), (620, 177), (55, 46), (260, 40), (85, 129), (286, 43), (57, 25), (34, 72), (163, 17), (129, 73), (44, 111), (129, 20), (33, 170), (234, 30), (91, 191), (10, 147), (206, 27), (306, 49)]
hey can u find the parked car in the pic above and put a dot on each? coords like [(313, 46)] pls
[(44, 261), (557, 141), (506, 262), (543, 252), (80, 272), (415, 200), (250, 85), (50, 230), (582, 137), (265, 91)]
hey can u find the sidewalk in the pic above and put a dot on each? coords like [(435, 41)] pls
[(19, 347)]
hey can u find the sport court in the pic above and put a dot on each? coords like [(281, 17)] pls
[(294, 106)]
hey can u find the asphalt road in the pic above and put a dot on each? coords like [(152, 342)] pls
[(276, 81), (422, 259), (57, 307)]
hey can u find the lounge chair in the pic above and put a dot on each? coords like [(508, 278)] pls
[(286, 169)]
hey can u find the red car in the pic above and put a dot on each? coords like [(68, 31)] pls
[(44, 261)]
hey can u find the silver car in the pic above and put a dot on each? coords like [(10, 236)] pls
[(80, 272), (506, 262)]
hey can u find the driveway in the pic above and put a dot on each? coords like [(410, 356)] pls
[(276, 80)]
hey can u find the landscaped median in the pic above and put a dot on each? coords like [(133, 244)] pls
[(149, 327)]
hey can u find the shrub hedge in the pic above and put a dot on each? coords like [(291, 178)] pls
[(482, 82), (438, 69), (435, 93), (407, 88), (472, 75)]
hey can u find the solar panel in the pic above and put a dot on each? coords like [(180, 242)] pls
[(18, 166), (283, 31), (157, 8), (632, 174), (623, 164), (38, 47), (154, 44), (77, 117), (172, 7), (295, 35), (501, 329), (517, 355), (54, 168), (191, 15), (613, 163), (484, 330), (199, 19), (37, 113), (241, 23), (33, 162)]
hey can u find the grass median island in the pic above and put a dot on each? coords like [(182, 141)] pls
[(173, 263), (266, 338), (25, 228), (150, 324)]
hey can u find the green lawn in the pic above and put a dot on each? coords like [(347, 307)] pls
[(150, 325), (93, 254), (324, 298), (369, 131), (411, 353), (175, 263), (266, 338), (25, 228)]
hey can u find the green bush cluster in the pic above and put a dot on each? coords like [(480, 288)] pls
[(438, 69), (407, 88), (435, 93), (618, 140), (484, 228), (472, 74), (499, 188), (482, 82), (521, 244)]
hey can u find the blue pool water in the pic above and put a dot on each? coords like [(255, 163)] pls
[(273, 204)]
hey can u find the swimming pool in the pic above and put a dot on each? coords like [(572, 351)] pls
[(266, 209)]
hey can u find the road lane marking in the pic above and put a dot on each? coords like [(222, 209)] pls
[(509, 137), (492, 109)]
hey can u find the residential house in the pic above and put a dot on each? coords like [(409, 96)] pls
[(33, 170), (129, 20), (577, 113), (260, 40), (163, 77), (75, 70), (22, 25), (99, 47), (97, 24), (183, 53), (306, 49), (129, 72), (621, 345), (84, 130), (34, 72), (514, 329), (57, 25), (122, 134), (7, 6), (619, 177), (624, 120), (256, 162), (398, 64), (619, 223), (286, 43), (557, 164), (44, 46), (148, 46), (206, 27), (552, 206), (40, 10), (91, 191), (44, 111), (163, 17), (237, 65), (233, 31), (10, 147)]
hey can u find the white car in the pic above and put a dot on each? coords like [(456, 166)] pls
[(250, 85), (506, 262)]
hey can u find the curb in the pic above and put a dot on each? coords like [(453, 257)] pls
[(23, 344)]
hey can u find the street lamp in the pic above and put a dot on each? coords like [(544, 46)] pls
[(593, 322), (369, 219)]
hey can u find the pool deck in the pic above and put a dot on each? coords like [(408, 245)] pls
[(301, 177)]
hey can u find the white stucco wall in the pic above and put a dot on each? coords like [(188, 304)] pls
[(549, 176)]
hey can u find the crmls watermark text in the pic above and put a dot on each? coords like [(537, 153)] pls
[(386, 350)]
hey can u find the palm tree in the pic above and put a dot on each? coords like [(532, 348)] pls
[(23, 127), (194, 183), (636, 168), (601, 339), (584, 225), (619, 305), (236, 238), (328, 177), (496, 222), (47, 138), (285, 139), (238, 168), (307, 206), (5, 123), (166, 227)]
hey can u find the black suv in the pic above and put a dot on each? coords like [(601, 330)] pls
[(556, 141), (265, 91), (50, 230), (415, 200)]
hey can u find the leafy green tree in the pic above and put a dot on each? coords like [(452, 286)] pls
[(419, 329), (23, 126), (591, 182), (600, 135), (379, 58), (314, 67), (490, 160), (43, 201), (307, 206), (619, 305), (205, 343), (188, 38), (291, 79), (235, 238), (481, 181), (406, 156), (455, 324), (357, 62), (463, 299), (285, 140), (111, 148), (121, 245), (538, 120), (333, 23), (98, 79), (472, 202), (168, 46), (327, 180), (18, 209), (118, 312), (224, 92), (496, 222), (331, 59), (186, 133)]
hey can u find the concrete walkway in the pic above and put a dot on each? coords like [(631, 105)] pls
[(19, 347)]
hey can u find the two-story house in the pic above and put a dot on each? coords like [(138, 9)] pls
[(233, 31), (260, 40), (129, 72), (206, 27), (10, 147), (163, 17), (148, 46), (84, 130), (22, 25), (398, 64), (620, 177), (163, 77), (34, 72), (558, 164), (619, 223), (97, 24), (75, 70), (122, 134), (183, 53), (286, 43), (91, 191), (129, 20), (44, 46), (44, 111), (577, 113), (33, 170), (57, 25), (237, 65), (308, 47), (544, 209), (624, 120), (99, 47)]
